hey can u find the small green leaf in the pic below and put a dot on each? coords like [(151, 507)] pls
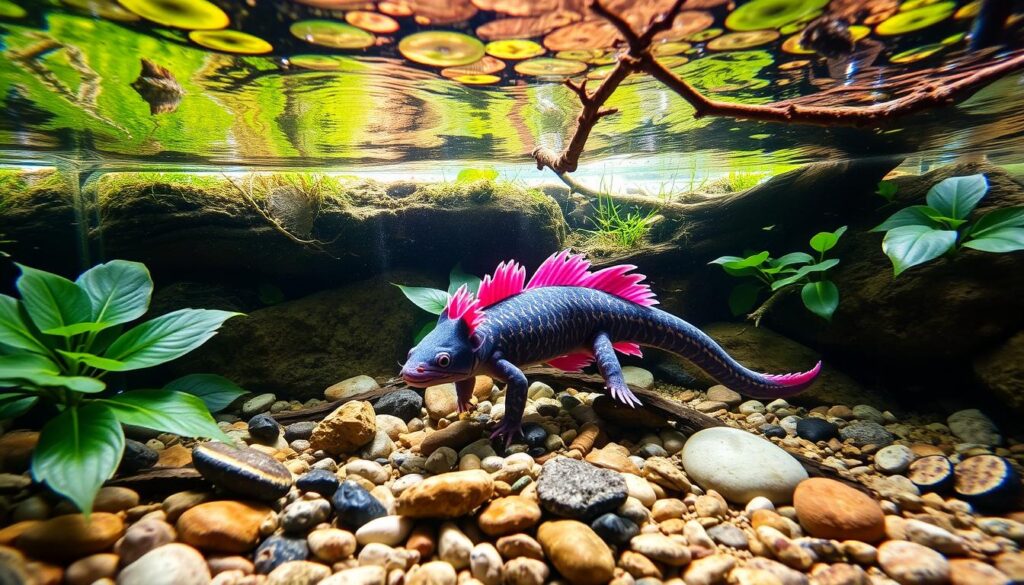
[(726, 260), (165, 410), (1010, 217), (15, 405), (911, 245), (37, 370), (790, 259), (166, 338), (804, 271), (94, 361), (119, 291), (485, 174), (1007, 239), (913, 215), (956, 197), (825, 241), (217, 392), (78, 450), (458, 278), (430, 300), (53, 302), (743, 297), (821, 298), (13, 329), (427, 328), (887, 190)]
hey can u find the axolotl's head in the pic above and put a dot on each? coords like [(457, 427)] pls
[(445, 355)]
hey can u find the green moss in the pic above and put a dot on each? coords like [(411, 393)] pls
[(18, 186)]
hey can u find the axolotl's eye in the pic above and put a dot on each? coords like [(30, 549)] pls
[(443, 360)]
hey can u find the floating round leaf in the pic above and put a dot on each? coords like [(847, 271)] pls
[(954, 38), (793, 27), (909, 5), (9, 9), (914, 55), (858, 32), (485, 66), (477, 79), (514, 49), (704, 35), (587, 56), (190, 14), (912, 20), (230, 41), (374, 22), (969, 10), (686, 23), (670, 48), (106, 9), (790, 65), (441, 48), (793, 46), (760, 14), (329, 33), (550, 67), (589, 34), (742, 40), (671, 61), (327, 63), (600, 72), (395, 8)]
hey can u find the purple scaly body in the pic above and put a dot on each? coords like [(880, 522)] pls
[(568, 326)]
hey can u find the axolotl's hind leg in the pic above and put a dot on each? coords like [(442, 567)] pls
[(611, 371), (515, 399)]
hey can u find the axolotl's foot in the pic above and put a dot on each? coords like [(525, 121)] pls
[(507, 431), (463, 406)]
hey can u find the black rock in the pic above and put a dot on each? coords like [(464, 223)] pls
[(534, 435), (816, 429), (405, 404), (319, 481), (137, 456), (355, 506), (674, 373), (577, 489), (614, 529), (264, 428), (243, 471), (569, 401), (536, 451), (278, 550), (300, 430), (862, 433), (769, 430)]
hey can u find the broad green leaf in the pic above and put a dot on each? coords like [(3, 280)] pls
[(950, 222), (458, 278), (790, 259), (93, 360), (427, 328), (38, 370), (486, 174), (887, 189), (804, 271), (166, 338), (743, 297), (119, 291), (956, 197), (913, 215), (1007, 239), (430, 300), (821, 298), (53, 302), (911, 245), (78, 450), (1010, 217), (825, 241), (169, 411), (726, 260), (77, 328), (216, 392), (15, 405), (750, 261), (13, 329)]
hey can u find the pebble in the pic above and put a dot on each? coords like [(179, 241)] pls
[(975, 572), (389, 530), (345, 430), (142, 537), (662, 471), (331, 545), (441, 460), (614, 529), (432, 573), (302, 430), (393, 426), (170, 564), (16, 450), (223, 526), (485, 564), (87, 570), (403, 404), (740, 465), (355, 506), (115, 499), (752, 407), (785, 550), (867, 413), (298, 573), (301, 516), (534, 435), (455, 436), (861, 433), (369, 470), (446, 496), (709, 570), (525, 571), (176, 504), (242, 470), (576, 552), (816, 429), (893, 459), (453, 546), (350, 387), (137, 456), (637, 487), (264, 429), (440, 400), (519, 545), (380, 446), (910, 563), (639, 377), (829, 509), (277, 550), (508, 515), (695, 535), (319, 481), (772, 431), (661, 548), (370, 575), (972, 426), (257, 404), (729, 535), (934, 537), (70, 537), (720, 393), (576, 489)]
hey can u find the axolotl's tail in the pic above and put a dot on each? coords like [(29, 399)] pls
[(693, 344)]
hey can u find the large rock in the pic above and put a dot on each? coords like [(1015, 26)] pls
[(1001, 372), (349, 427)]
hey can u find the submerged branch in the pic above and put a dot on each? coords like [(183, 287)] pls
[(767, 305)]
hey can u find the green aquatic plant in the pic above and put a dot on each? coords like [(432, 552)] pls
[(778, 276), (481, 174), (921, 233), (887, 190), (434, 300), (622, 229), (61, 340)]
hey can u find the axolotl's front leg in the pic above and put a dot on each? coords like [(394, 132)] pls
[(515, 398)]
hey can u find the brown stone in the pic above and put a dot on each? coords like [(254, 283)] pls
[(422, 540), (71, 536), (519, 545), (86, 571), (446, 496), (482, 387), (16, 450), (1012, 564), (223, 526), (508, 515), (11, 533), (610, 458), (829, 509), (585, 438), (175, 456), (638, 565), (456, 435), (577, 552), (345, 430), (115, 499), (910, 563), (662, 471), (975, 572)]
